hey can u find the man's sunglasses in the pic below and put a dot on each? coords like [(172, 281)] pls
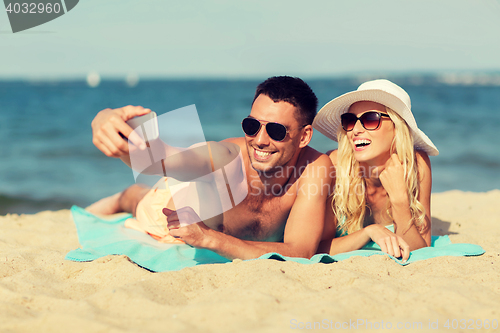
[(370, 120), (276, 131)]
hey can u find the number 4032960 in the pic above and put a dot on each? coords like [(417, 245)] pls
[(471, 324), (33, 8)]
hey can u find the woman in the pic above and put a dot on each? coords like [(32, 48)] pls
[(383, 175)]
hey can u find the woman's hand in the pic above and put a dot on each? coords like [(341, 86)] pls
[(393, 181), (110, 123), (388, 241)]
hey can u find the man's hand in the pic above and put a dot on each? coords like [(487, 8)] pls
[(186, 225), (110, 123)]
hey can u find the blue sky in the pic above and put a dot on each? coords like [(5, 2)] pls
[(227, 38)]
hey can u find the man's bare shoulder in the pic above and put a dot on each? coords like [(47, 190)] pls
[(311, 156), (231, 145), (317, 165), (223, 152), (333, 155), (317, 174), (232, 142)]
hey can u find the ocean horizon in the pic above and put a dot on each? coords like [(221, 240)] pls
[(49, 161)]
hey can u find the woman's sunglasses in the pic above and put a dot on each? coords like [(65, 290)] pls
[(276, 131), (370, 120)]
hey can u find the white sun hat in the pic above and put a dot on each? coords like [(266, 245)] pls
[(384, 92)]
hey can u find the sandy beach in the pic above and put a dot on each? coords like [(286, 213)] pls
[(42, 292)]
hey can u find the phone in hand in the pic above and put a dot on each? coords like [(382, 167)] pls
[(148, 124)]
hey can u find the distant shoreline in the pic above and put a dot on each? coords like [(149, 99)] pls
[(452, 78)]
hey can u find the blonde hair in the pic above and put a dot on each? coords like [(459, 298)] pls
[(349, 199)]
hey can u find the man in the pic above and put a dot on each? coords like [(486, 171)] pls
[(288, 181)]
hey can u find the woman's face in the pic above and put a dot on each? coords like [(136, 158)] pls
[(371, 147)]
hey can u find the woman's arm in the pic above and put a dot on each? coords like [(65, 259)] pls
[(387, 240), (392, 178), (424, 195)]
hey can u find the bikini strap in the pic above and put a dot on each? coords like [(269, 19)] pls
[(229, 192), (211, 158)]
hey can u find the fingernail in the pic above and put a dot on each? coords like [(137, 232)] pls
[(142, 146)]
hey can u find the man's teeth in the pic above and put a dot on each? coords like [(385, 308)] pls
[(361, 143), (262, 153)]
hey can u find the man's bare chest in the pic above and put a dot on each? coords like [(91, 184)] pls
[(260, 218)]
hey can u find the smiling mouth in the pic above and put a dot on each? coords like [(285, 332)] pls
[(360, 144), (262, 155)]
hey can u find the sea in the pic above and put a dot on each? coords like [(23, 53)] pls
[(48, 161)]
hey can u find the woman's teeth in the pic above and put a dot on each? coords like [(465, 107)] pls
[(362, 143)]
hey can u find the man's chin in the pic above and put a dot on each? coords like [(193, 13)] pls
[(258, 166), (262, 167)]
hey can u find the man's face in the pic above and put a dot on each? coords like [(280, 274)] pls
[(266, 154)]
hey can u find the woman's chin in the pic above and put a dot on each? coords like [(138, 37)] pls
[(362, 156), (371, 160)]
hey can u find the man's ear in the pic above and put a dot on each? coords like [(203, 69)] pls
[(306, 136)]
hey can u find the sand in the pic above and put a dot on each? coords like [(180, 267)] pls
[(42, 292)]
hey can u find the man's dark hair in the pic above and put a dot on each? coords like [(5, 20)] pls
[(291, 90)]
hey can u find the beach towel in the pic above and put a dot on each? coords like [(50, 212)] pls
[(100, 237)]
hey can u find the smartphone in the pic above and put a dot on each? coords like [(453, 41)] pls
[(149, 126)]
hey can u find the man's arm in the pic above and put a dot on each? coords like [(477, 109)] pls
[(109, 128), (302, 231), (109, 124)]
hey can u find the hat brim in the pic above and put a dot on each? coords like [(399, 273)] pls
[(327, 121)]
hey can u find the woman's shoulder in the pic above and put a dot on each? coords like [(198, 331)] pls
[(422, 159), (423, 163)]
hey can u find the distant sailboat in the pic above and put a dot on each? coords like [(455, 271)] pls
[(132, 80), (93, 79)]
